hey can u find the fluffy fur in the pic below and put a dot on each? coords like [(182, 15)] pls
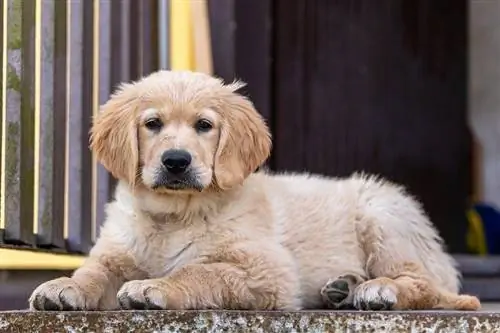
[(227, 237)]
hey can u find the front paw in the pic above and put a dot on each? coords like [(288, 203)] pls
[(60, 294), (143, 295)]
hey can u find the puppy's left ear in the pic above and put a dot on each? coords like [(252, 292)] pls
[(245, 141), (113, 137)]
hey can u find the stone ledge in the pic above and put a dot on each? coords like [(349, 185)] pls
[(241, 321)]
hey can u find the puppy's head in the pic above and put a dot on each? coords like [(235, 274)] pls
[(180, 131)]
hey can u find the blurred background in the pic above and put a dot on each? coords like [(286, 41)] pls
[(402, 88)]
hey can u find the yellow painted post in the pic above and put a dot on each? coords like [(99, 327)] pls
[(202, 38), (181, 36)]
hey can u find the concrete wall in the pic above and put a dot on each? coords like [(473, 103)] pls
[(484, 93)]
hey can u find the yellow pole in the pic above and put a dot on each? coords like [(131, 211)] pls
[(181, 36)]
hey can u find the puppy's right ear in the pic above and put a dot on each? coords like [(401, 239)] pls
[(113, 137)]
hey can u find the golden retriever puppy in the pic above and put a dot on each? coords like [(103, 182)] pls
[(192, 226)]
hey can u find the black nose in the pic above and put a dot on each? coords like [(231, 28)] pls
[(176, 160)]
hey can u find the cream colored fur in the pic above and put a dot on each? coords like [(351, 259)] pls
[(245, 240)]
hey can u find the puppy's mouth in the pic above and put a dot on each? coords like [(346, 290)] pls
[(173, 182)]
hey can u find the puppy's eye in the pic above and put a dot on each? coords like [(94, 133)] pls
[(203, 125), (153, 124)]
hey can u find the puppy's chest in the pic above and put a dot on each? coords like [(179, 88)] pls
[(167, 250)]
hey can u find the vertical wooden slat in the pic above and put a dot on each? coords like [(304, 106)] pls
[(202, 40), (21, 114), (242, 47), (120, 53), (289, 40), (102, 178), (53, 124), (380, 87), (3, 100), (144, 46), (134, 40), (60, 143), (181, 35), (85, 229), (79, 166), (148, 26), (120, 47), (163, 34), (223, 33), (11, 115), (254, 51)]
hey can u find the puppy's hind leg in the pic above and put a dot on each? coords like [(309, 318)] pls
[(409, 289), (405, 258)]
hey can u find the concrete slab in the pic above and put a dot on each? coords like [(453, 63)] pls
[(243, 321)]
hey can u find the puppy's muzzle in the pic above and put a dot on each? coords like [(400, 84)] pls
[(176, 161), (177, 172)]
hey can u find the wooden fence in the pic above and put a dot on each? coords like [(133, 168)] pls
[(59, 61)]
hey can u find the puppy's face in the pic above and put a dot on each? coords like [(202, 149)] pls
[(177, 146), (180, 131)]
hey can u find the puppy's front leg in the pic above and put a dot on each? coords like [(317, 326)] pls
[(249, 277), (92, 286)]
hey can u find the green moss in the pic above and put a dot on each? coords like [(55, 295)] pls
[(12, 154), (14, 25), (47, 149), (46, 220), (13, 80)]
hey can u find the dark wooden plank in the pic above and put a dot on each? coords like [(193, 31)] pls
[(379, 87), (290, 104), (222, 28), (487, 289), (242, 37), (479, 266), (17, 285), (253, 58)]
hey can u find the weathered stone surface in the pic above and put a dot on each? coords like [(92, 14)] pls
[(238, 321)]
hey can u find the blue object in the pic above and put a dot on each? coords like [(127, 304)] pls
[(484, 229)]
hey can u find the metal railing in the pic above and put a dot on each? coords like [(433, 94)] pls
[(60, 59)]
